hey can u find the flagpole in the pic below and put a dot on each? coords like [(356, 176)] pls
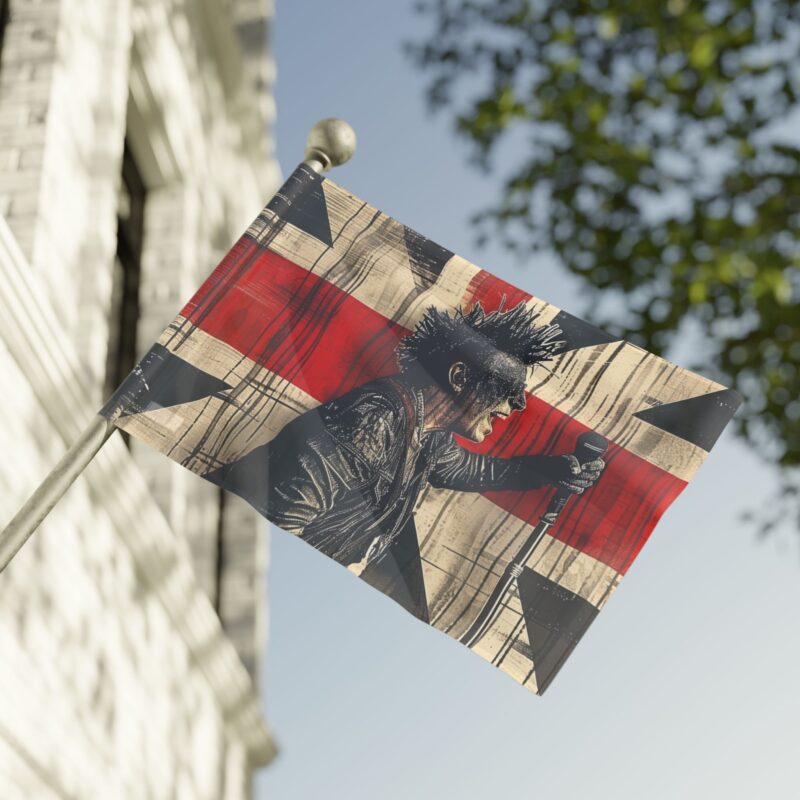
[(330, 142)]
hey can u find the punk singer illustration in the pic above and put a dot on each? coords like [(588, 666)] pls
[(345, 476)]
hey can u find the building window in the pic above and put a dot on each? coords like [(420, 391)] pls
[(125, 309), (4, 15)]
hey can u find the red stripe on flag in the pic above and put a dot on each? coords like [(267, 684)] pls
[(612, 520), (299, 326), (491, 292), (326, 342)]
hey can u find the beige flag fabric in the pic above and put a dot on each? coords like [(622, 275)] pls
[(489, 461)]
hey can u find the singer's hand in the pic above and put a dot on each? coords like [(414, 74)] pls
[(575, 477)]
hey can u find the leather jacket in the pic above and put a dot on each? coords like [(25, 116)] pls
[(345, 476)]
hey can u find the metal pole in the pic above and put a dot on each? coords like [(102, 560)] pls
[(38, 505), (330, 143)]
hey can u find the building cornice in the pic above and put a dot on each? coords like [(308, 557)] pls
[(163, 34)]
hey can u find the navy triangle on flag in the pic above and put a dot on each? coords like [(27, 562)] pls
[(555, 619), (427, 258), (160, 380), (398, 574), (301, 202), (578, 333), (699, 420)]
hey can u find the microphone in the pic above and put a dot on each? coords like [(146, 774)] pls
[(590, 445)]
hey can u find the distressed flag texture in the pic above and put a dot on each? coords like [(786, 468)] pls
[(307, 310)]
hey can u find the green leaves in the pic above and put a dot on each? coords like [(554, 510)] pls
[(703, 51), (655, 166), (490, 116)]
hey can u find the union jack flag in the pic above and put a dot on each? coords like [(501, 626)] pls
[(489, 461)]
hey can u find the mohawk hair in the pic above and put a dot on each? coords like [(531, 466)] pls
[(441, 336)]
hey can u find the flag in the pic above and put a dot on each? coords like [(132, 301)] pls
[(487, 460)]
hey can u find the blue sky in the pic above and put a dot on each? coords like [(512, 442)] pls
[(685, 686)]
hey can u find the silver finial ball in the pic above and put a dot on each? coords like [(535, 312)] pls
[(331, 142)]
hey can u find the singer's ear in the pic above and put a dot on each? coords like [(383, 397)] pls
[(458, 376)]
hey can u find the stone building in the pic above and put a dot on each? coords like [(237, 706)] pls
[(135, 147)]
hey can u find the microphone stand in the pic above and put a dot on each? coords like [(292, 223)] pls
[(589, 446)]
